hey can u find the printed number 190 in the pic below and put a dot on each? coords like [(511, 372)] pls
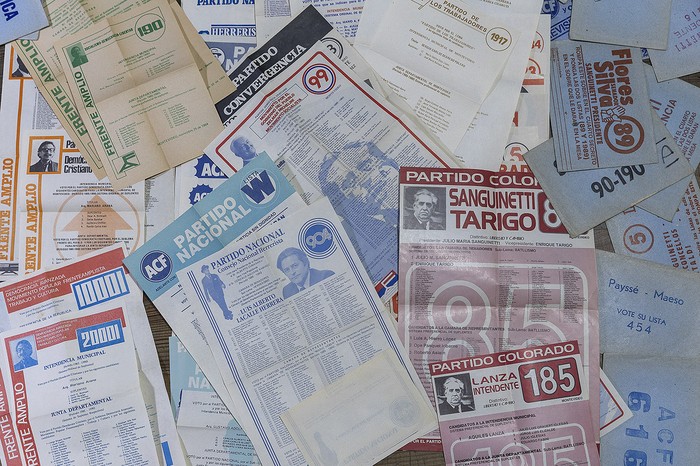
[(549, 380), (149, 28)]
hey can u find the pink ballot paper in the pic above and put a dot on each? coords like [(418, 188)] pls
[(525, 406)]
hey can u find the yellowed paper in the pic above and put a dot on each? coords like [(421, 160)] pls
[(139, 92)]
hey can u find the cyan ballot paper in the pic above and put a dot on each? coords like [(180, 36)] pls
[(663, 396), (257, 195), (19, 18), (524, 406), (647, 308), (600, 107)]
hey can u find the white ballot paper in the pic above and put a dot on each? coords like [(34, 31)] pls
[(662, 394), (78, 285), (272, 15), (639, 23), (647, 308), (256, 196), (585, 198), (613, 410), (333, 136), (295, 311), (443, 58), (489, 129), (75, 390), (638, 233), (210, 434), (682, 57), (600, 107), (319, 424), (226, 20)]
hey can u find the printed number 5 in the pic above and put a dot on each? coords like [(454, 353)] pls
[(638, 238)]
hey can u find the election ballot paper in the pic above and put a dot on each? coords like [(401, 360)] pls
[(65, 212), (207, 429), (443, 58), (19, 18), (210, 434), (523, 406), (586, 198), (256, 196), (637, 233), (613, 409), (289, 310), (76, 287), (662, 394), (490, 128), (682, 55), (638, 23), (319, 424), (600, 107), (333, 136), (226, 21), (647, 308), (272, 15), (139, 91), (75, 390), (486, 266)]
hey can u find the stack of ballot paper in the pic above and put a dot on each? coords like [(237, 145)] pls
[(366, 226)]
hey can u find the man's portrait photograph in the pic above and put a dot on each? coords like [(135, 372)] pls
[(454, 394), (23, 351), (44, 156), (423, 208), (294, 264)]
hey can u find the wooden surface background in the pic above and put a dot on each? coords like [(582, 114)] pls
[(161, 332)]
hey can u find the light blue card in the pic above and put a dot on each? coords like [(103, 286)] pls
[(647, 308), (184, 374), (219, 218), (19, 18), (662, 394)]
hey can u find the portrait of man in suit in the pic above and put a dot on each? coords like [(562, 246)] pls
[(422, 215), (456, 396), (23, 352), (295, 265), (45, 164), (243, 149)]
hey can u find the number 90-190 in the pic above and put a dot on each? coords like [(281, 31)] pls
[(549, 380)]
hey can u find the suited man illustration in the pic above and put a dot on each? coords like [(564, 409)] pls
[(214, 289), (295, 265), (24, 351), (424, 204), (46, 151), (244, 149), (453, 391)]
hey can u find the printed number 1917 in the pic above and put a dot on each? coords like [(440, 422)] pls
[(496, 37)]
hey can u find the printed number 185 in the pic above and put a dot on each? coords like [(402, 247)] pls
[(549, 380)]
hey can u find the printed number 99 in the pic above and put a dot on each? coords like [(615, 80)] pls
[(315, 80), (149, 28), (502, 40)]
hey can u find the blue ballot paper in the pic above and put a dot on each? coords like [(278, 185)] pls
[(19, 18), (662, 394)]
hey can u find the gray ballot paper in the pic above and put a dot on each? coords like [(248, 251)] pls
[(600, 107), (583, 199)]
